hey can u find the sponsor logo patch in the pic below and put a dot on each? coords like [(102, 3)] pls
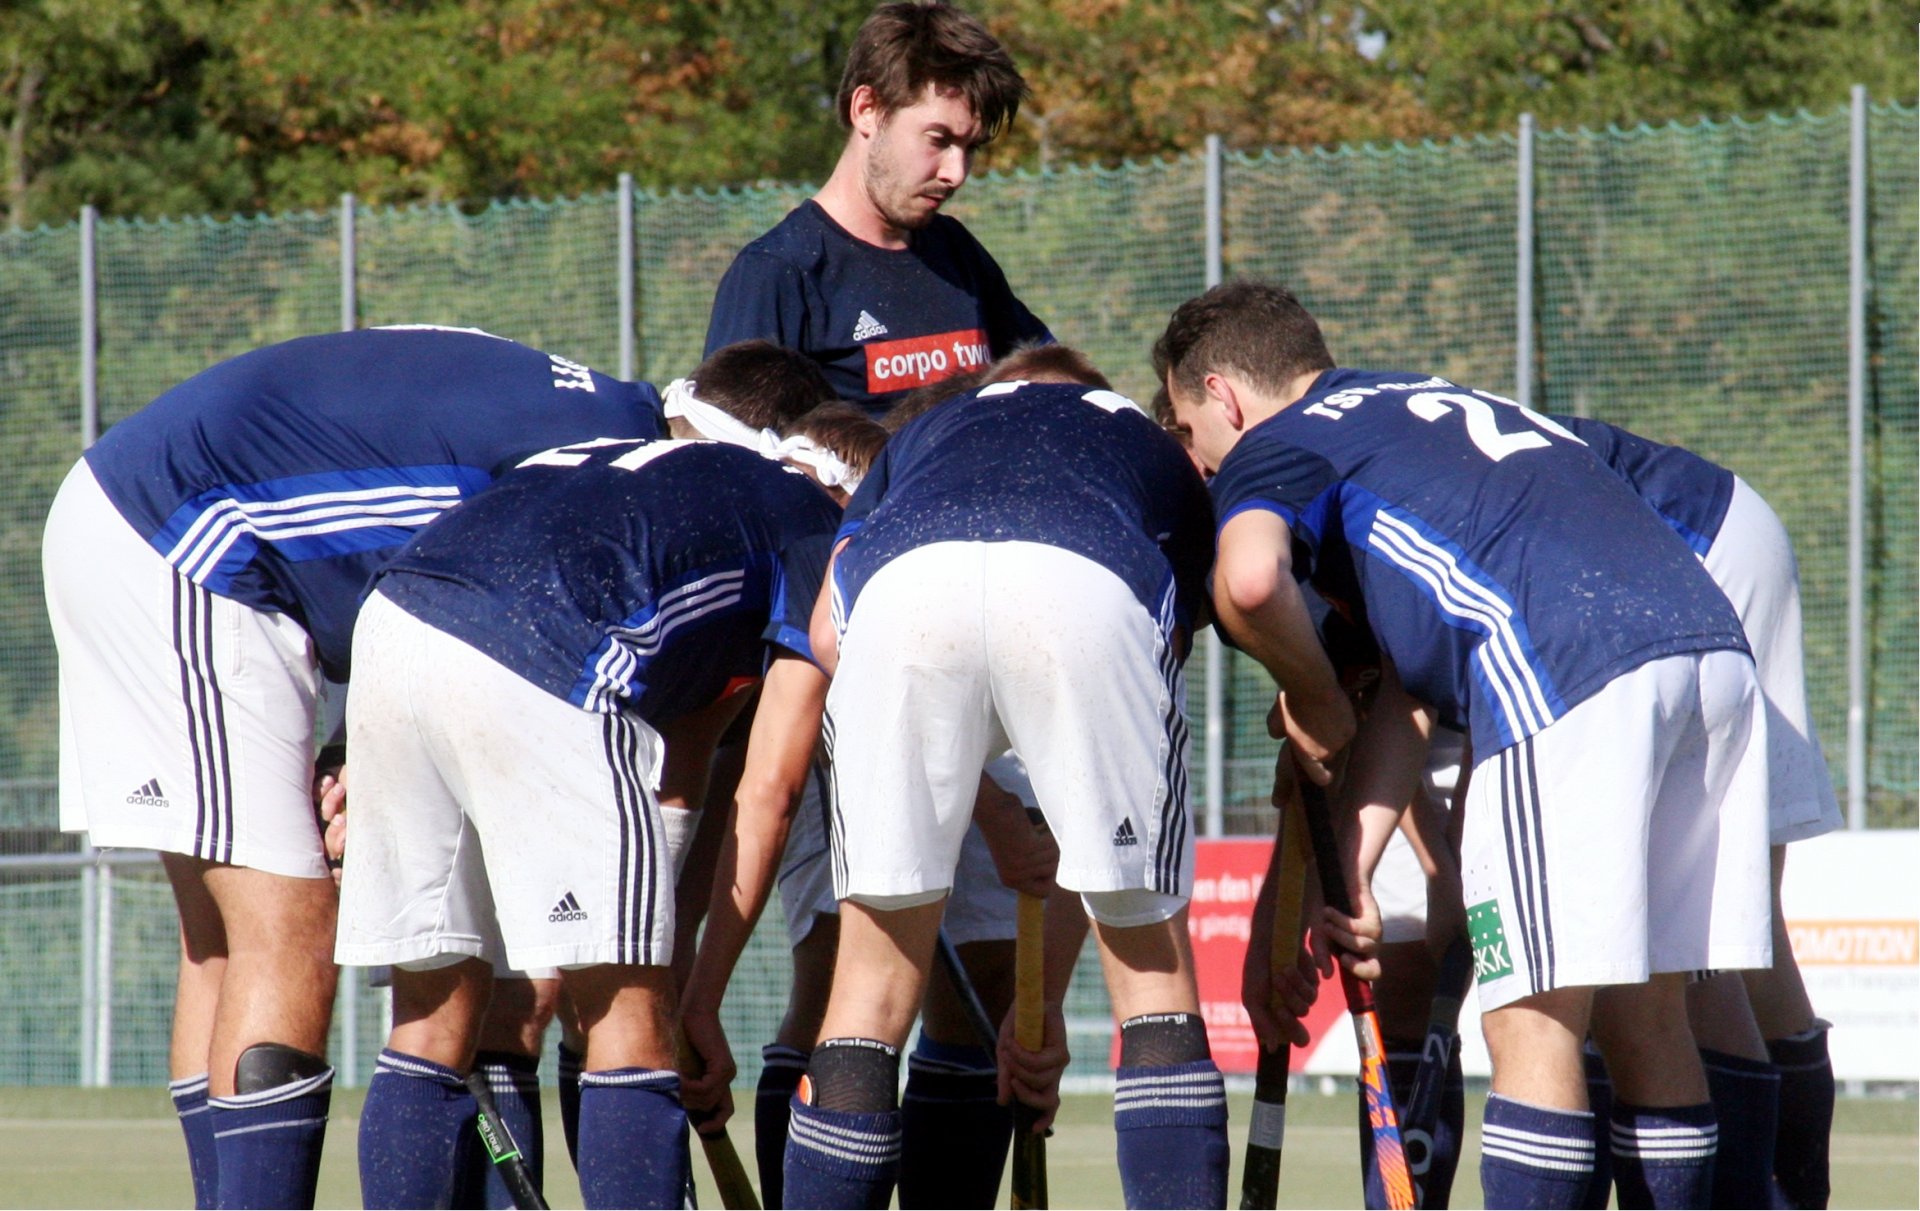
[(1489, 938), (1124, 835), (568, 909), (916, 361), (149, 795)]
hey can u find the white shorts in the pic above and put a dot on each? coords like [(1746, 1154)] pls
[(1628, 838), (1752, 562), (186, 718), (956, 650), (490, 819)]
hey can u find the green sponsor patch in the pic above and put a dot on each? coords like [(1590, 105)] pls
[(1489, 938)]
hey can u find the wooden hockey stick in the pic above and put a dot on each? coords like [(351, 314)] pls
[(1266, 1133), (1030, 1030)]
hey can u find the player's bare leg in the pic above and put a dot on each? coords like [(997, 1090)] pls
[(843, 1149), (1797, 1044), (1662, 1122), (266, 1065), (507, 1054), (1745, 1086), (1170, 1103), (633, 1129), (203, 966)]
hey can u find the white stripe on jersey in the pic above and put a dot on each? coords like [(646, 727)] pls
[(221, 524), (1503, 658), (695, 599)]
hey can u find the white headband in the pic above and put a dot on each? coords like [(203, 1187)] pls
[(679, 400)]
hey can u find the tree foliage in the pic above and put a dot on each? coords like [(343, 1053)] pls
[(147, 107)]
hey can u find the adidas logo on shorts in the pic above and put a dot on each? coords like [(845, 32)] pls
[(149, 795), (568, 909), (867, 327), (1124, 834)]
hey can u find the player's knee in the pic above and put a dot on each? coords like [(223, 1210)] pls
[(854, 1076), (265, 1066), (1131, 908), (1162, 1040)]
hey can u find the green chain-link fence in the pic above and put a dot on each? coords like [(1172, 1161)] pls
[(1689, 281)]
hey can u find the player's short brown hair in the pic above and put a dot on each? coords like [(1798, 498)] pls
[(925, 398), (1048, 363), (854, 437), (904, 47), (761, 384), (1256, 329)]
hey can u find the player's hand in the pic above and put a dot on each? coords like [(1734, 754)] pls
[(1033, 1077), (706, 1072), (1024, 856), (1277, 1001), (1356, 939), (330, 796), (1316, 727)]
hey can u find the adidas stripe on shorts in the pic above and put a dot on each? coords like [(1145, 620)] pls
[(1626, 839), (956, 651), (490, 819), (186, 718)]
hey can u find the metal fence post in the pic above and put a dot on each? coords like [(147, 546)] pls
[(89, 970), (625, 272), (1523, 269), (1856, 465), (103, 981), (1216, 684), (89, 433), (349, 261)]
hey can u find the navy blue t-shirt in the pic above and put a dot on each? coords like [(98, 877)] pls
[(284, 477), (880, 321), (1067, 466), (1507, 572), (1691, 493), (627, 576)]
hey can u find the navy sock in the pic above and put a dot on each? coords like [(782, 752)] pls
[(1746, 1102), (841, 1158), (515, 1083), (268, 1143), (1171, 1124), (1600, 1101), (1663, 1156), (412, 1130), (190, 1103), (1433, 1159), (1806, 1116), (633, 1139), (955, 1134), (571, 1062), (780, 1072), (1533, 1156)]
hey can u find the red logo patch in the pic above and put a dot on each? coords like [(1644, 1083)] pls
[(916, 361)]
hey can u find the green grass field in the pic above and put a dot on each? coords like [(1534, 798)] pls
[(122, 1148)]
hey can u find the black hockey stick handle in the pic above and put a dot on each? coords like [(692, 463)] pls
[(1029, 1186), (1266, 1132), (501, 1148), (1422, 1113)]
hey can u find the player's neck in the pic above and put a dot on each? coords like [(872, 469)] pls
[(844, 198)]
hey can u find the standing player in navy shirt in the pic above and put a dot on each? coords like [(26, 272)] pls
[(535, 667), (867, 277), (1021, 565), (204, 566), (1615, 829)]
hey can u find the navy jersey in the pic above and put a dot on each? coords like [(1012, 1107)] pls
[(284, 477), (1068, 466), (1689, 492), (627, 576), (1506, 571), (880, 321)]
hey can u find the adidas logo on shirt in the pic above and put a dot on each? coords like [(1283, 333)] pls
[(568, 909), (149, 795), (867, 327), (1124, 834)]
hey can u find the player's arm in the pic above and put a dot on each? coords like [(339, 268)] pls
[(779, 756), (1256, 599), (822, 635)]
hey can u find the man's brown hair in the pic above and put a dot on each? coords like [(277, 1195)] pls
[(1048, 363), (853, 436), (1256, 329), (928, 396), (904, 47), (761, 384)]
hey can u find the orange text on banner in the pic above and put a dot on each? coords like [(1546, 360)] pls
[(1856, 943)]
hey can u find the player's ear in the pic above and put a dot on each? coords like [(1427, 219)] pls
[(863, 111), (1221, 388)]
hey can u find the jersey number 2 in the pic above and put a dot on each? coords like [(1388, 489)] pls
[(1483, 425)]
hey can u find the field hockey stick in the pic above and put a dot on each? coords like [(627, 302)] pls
[(1030, 1031), (970, 1003), (1436, 1056), (501, 1148), (1266, 1133), (1388, 1150), (729, 1175)]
